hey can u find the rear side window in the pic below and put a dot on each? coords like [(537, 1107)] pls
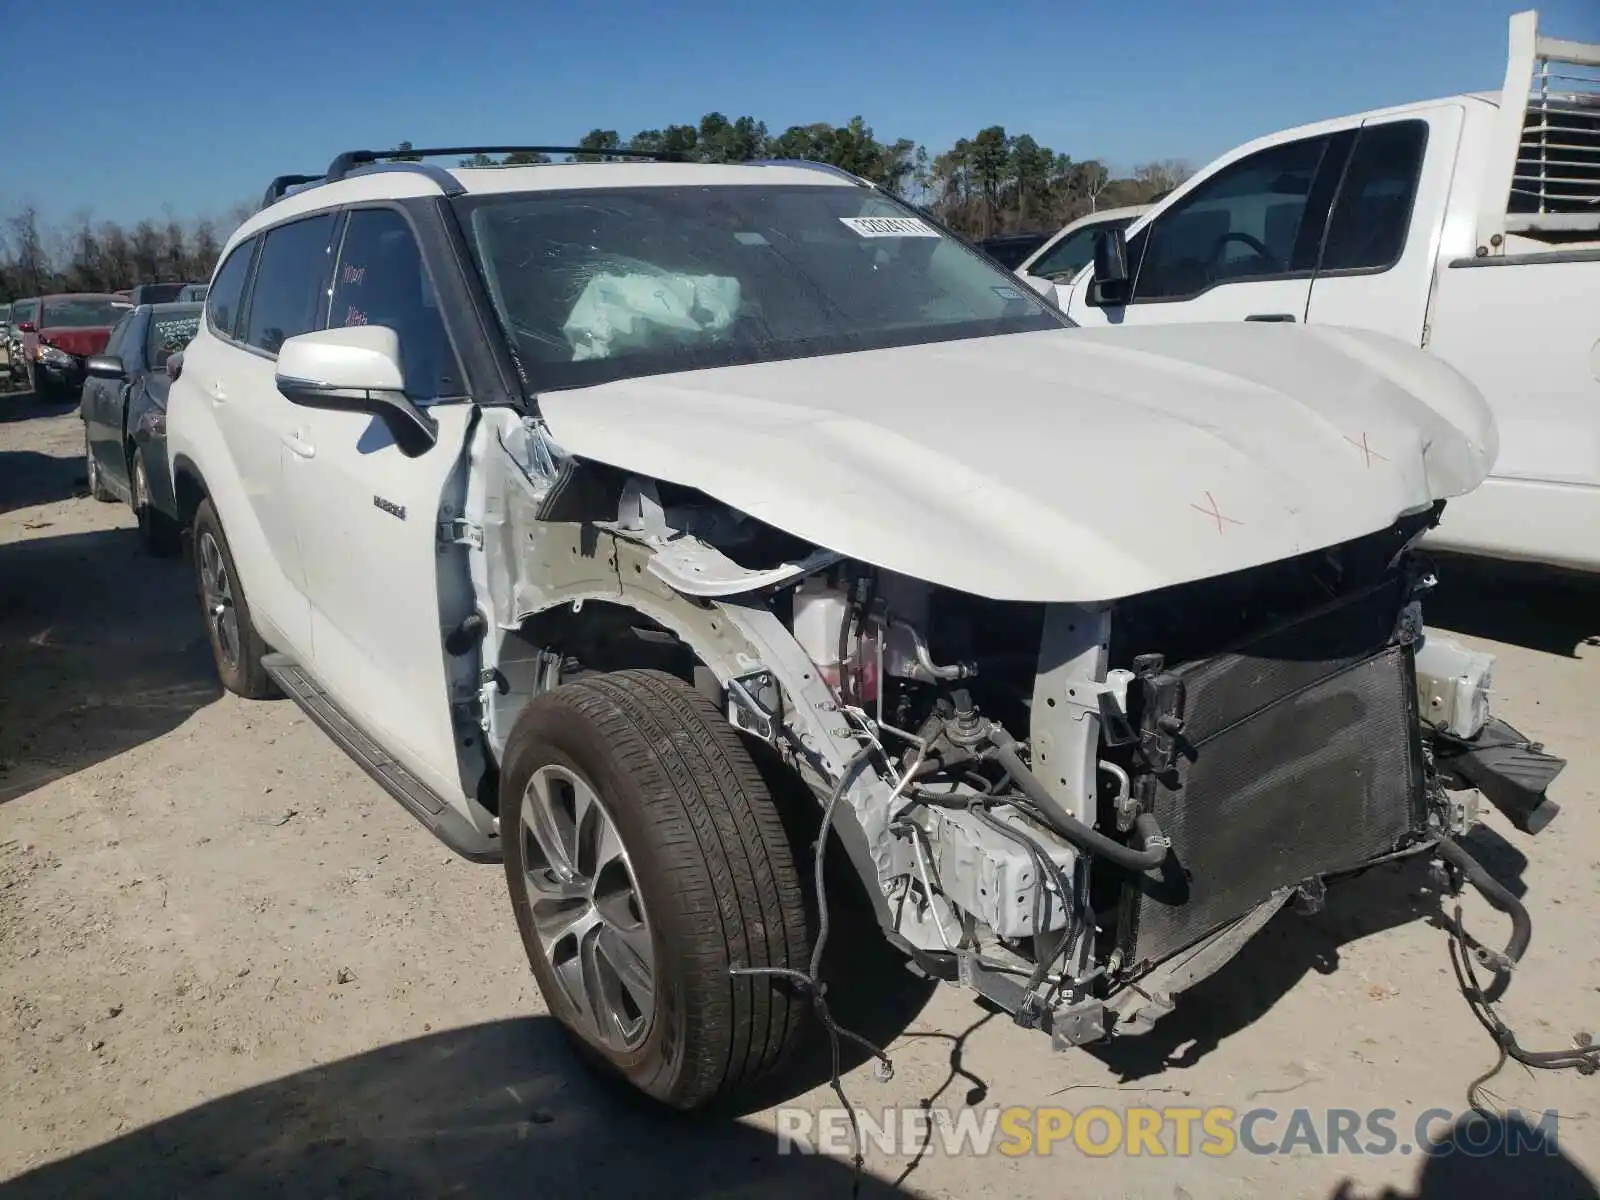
[(381, 281), (222, 305), (1372, 214), (289, 282), (169, 333), (1247, 222)]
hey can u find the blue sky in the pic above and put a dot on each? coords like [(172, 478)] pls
[(122, 108)]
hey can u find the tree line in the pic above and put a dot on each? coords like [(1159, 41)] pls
[(991, 183)]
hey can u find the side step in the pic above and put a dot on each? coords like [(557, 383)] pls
[(421, 801)]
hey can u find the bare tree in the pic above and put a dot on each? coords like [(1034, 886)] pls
[(1162, 176), (1091, 179), (30, 264)]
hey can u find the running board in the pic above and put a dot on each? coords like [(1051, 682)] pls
[(416, 797)]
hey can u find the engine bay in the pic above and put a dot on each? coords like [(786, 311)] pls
[(1076, 809)]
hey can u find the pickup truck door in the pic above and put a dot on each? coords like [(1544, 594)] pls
[(368, 517), (1377, 262), (1062, 257), (1240, 244)]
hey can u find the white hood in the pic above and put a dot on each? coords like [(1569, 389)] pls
[(1077, 465)]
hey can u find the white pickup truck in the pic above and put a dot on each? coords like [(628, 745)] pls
[(1469, 226)]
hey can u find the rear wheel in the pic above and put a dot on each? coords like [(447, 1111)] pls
[(157, 531), (91, 467), (645, 858), (236, 647)]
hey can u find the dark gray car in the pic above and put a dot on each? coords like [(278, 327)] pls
[(125, 417)]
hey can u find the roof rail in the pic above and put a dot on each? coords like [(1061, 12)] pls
[(279, 186), (405, 159), (344, 163), (448, 183), (813, 165)]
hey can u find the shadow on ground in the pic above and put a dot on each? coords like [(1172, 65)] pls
[(100, 650), (1517, 603), (1291, 947), (494, 1110), (1481, 1158), (28, 477), (25, 406)]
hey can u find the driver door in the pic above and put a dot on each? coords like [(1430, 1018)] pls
[(367, 516), (1239, 246)]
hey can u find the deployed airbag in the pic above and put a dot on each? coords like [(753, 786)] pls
[(616, 313)]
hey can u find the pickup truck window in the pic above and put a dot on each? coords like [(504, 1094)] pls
[(1247, 222), (1073, 252), (380, 280), (223, 302), (1373, 211), (289, 282)]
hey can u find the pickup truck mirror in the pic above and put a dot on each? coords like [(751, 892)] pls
[(1110, 285), (105, 366), (355, 369), (174, 364)]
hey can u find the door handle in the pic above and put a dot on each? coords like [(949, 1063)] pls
[(219, 394), (299, 445), (1289, 317)]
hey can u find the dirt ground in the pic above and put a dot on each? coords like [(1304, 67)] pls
[(230, 965)]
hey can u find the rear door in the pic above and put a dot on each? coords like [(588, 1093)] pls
[(368, 516), (283, 298), (1377, 264), (1240, 245)]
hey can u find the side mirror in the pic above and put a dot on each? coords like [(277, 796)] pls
[(27, 327), (105, 366), (174, 364), (355, 369), (1110, 286)]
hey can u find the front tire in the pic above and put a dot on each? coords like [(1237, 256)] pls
[(236, 647), (645, 858)]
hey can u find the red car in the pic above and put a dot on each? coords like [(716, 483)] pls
[(68, 329)]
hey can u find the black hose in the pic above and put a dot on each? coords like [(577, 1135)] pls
[(811, 979), (1496, 894), (1154, 843)]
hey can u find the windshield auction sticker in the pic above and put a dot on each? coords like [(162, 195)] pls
[(876, 227)]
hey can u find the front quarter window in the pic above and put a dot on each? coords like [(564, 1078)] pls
[(595, 285)]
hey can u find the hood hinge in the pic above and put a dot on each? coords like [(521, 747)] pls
[(459, 532)]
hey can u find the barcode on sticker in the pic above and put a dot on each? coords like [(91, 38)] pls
[(890, 226)]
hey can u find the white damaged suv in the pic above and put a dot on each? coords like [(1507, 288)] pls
[(645, 525)]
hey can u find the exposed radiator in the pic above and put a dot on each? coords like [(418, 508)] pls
[(1299, 756)]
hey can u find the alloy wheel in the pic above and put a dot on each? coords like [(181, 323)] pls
[(586, 906), (218, 590)]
